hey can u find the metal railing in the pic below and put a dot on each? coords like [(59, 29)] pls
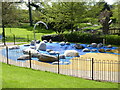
[(20, 38), (89, 68)]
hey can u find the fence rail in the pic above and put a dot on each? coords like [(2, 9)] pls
[(89, 68), (19, 38), (114, 31)]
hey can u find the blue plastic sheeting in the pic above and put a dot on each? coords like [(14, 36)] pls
[(0, 37), (15, 53)]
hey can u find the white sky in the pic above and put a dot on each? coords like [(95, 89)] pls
[(108, 1), (111, 1)]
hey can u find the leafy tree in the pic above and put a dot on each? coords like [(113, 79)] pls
[(23, 16), (62, 15), (9, 15), (0, 14), (116, 13), (93, 10)]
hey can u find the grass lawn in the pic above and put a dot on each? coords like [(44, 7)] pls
[(0, 75), (26, 34), (19, 77), (23, 34)]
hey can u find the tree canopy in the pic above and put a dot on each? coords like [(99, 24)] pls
[(61, 16), (9, 14)]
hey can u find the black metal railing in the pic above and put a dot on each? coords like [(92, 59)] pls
[(22, 38), (90, 68)]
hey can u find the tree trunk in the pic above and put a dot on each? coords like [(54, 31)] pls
[(3, 33), (30, 14), (106, 26)]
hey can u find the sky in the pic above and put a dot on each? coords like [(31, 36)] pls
[(108, 1)]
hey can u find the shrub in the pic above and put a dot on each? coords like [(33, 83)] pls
[(79, 37), (90, 38), (112, 39), (82, 37)]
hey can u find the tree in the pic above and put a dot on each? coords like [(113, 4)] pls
[(9, 14), (116, 14), (104, 18), (0, 14), (35, 5), (62, 15), (92, 11), (23, 16), (9, 17), (30, 13)]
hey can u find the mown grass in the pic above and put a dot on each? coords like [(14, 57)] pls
[(0, 75), (24, 34), (0, 30), (19, 77)]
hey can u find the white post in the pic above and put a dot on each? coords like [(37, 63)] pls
[(103, 41)]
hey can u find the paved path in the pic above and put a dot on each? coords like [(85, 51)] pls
[(11, 43)]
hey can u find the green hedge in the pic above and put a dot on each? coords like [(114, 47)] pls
[(113, 39), (79, 37)]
